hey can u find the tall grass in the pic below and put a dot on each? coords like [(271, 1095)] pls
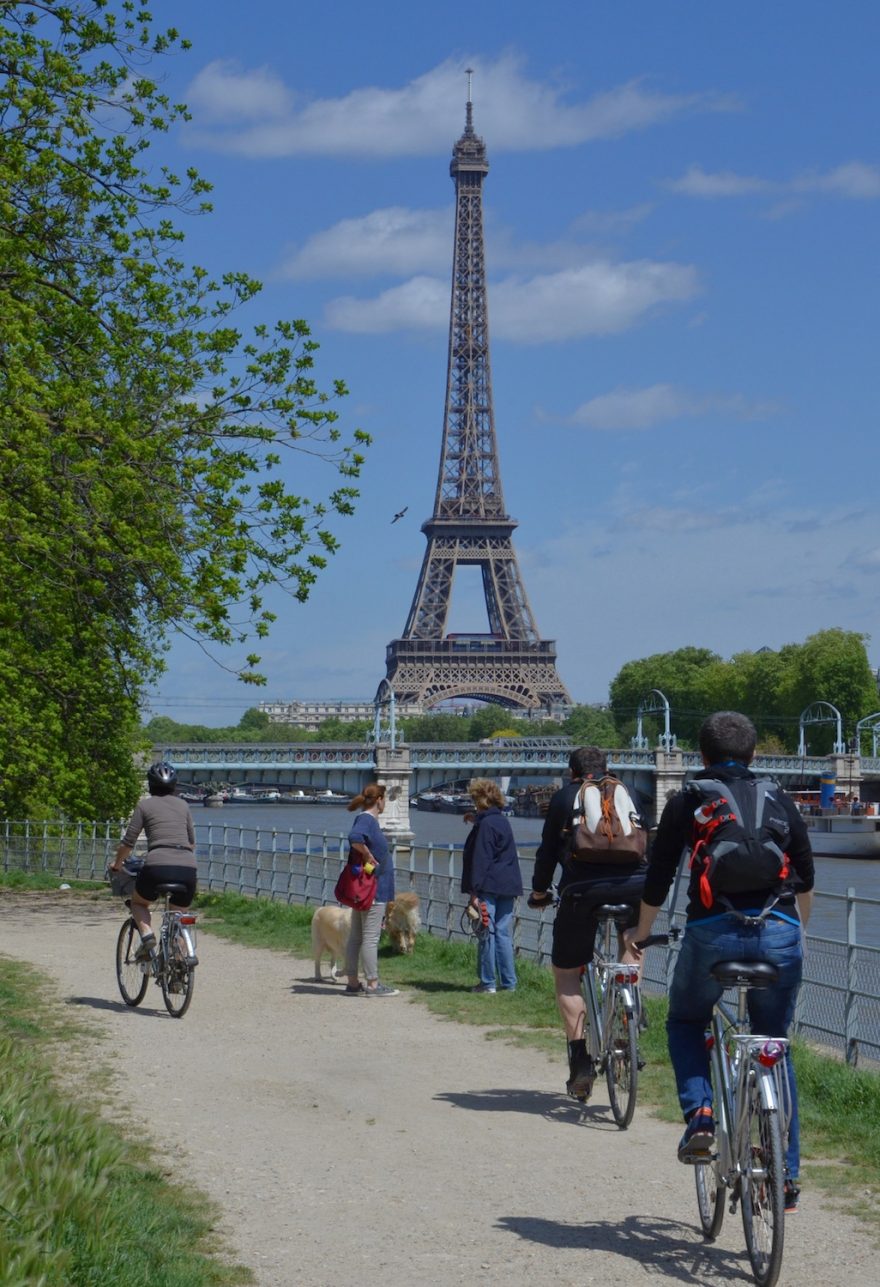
[(77, 1209)]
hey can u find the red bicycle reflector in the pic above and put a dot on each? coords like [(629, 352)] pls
[(770, 1053), (187, 920), (627, 976)]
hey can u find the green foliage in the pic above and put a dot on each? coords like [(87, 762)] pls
[(687, 678), (772, 688), (76, 1206), (254, 726), (589, 726), (147, 478)]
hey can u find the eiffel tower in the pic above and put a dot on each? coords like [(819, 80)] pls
[(511, 666)]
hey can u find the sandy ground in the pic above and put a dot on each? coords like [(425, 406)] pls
[(361, 1142)]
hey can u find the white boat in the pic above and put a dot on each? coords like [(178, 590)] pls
[(844, 835)]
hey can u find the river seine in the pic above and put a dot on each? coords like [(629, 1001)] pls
[(241, 821)]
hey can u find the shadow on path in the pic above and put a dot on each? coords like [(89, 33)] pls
[(551, 1106), (145, 1010), (666, 1248)]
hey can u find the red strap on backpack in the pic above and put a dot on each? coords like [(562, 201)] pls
[(705, 823)]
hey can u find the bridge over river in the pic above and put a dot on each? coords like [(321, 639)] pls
[(347, 766)]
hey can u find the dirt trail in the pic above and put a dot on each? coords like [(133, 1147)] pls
[(351, 1142)]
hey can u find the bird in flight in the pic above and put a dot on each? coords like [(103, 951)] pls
[(400, 514)]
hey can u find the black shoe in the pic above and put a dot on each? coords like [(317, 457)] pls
[(582, 1071), (792, 1196)]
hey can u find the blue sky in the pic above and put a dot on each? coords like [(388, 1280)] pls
[(681, 236)]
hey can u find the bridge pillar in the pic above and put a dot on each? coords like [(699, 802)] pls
[(393, 768), (668, 777), (847, 770)]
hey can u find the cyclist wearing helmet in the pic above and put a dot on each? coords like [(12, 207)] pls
[(170, 857)]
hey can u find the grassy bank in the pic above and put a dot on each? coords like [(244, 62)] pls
[(76, 1208), (840, 1106)]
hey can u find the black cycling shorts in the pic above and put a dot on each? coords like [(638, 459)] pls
[(574, 930), (151, 876)]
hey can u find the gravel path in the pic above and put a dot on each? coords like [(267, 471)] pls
[(352, 1142)]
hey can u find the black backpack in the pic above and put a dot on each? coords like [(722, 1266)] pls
[(740, 834)]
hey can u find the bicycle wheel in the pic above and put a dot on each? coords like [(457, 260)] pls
[(710, 1198), (177, 979), (622, 1062), (711, 1190), (763, 1197), (130, 976)]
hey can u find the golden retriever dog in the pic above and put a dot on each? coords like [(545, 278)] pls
[(402, 921), (330, 929)]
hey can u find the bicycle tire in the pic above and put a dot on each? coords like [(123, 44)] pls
[(177, 978), (763, 1187), (130, 976), (711, 1190), (622, 1061)]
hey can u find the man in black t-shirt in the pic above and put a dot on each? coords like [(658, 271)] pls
[(582, 888)]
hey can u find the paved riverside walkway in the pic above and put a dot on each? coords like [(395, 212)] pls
[(350, 1142)]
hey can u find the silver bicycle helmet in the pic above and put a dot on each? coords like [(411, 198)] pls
[(161, 778)]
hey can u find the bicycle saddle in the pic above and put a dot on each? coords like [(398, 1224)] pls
[(751, 974), (171, 887), (614, 911)]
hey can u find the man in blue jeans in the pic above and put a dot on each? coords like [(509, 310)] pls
[(763, 924)]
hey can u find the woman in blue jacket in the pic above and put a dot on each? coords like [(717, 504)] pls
[(490, 874)]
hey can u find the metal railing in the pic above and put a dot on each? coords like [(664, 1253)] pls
[(839, 1002)]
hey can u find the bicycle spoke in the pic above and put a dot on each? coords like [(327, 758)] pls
[(130, 974), (178, 976), (621, 1067), (762, 1188)]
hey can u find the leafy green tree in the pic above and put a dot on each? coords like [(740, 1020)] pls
[(688, 679), (591, 726), (771, 687), (148, 475), (435, 728)]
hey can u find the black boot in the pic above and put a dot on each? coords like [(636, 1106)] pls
[(582, 1073)]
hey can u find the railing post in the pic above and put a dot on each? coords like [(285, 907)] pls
[(850, 1014)]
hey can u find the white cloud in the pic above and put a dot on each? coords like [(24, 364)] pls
[(221, 94), (421, 304), (398, 241), (419, 118), (697, 182), (661, 403), (856, 180), (612, 221), (599, 298), (394, 240)]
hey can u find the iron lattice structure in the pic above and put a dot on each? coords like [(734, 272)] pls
[(511, 665)]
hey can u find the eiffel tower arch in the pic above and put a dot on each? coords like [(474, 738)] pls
[(511, 665)]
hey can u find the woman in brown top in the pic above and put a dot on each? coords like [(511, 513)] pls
[(170, 857)]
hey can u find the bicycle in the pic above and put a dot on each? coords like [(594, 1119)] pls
[(613, 1014), (752, 1109), (171, 964)]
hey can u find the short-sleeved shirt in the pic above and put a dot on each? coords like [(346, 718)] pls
[(168, 824), (365, 830)]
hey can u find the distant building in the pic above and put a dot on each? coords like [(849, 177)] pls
[(311, 714)]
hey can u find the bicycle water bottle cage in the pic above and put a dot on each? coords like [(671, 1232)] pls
[(748, 974)]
